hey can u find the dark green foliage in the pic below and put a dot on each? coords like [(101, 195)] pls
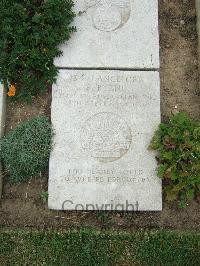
[(90, 247), (30, 32), (25, 150), (178, 146)]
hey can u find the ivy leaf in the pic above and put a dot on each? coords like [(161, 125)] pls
[(190, 194), (196, 133), (182, 204), (171, 195), (155, 142), (167, 155), (174, 176), (161, 170)]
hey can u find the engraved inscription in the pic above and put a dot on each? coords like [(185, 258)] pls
[(107, 176), (109, 15), (106, 137), (105, 90)]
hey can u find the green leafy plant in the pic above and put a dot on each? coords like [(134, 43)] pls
[(25, 150), (30, 32), (178, 146), (44, 196)]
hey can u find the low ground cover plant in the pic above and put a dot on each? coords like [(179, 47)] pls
[(30, 32), (25, 150), (178, 146)]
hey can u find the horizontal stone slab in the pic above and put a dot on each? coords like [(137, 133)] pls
[(119, 34), (104, 121)]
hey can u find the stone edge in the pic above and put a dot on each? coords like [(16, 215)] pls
[(198, 27), (2, 127)]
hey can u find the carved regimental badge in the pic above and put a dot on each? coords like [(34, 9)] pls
[(109, 15), (106, 137)]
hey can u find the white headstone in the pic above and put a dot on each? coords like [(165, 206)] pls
[(104, 121), (113, 34)]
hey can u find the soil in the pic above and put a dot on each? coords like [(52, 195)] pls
[(180, 90), (22, 205)]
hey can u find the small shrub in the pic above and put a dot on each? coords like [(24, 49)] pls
[(178, 146), (30, 32), (25, 150)]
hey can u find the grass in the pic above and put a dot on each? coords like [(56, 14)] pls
[(89, 247)]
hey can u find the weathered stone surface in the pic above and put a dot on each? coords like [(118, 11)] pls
[(104, 121), (115, 34)]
